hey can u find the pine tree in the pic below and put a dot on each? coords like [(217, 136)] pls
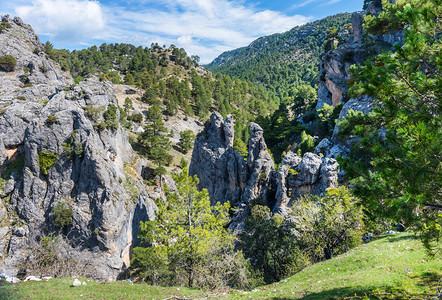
[(154, 141), (397, 169), (189, 244), (187, 138)]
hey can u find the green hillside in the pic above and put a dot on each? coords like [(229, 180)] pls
[(281, 62), (392, 267)]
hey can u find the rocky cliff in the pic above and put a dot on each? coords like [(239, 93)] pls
[(52, 156), (224, 173), (228, 177), (335, 75)]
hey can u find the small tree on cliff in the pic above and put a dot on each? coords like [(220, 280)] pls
[(154, 141)]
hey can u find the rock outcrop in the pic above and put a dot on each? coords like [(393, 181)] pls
[(334, 65), (220, 169), (228, 178), (334, 75), (298, 177), (224, 173), (61, 159)]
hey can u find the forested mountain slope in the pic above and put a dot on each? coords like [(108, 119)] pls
[(281, 62)]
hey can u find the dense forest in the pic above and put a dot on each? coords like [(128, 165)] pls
[(283, 62), (168, 76)]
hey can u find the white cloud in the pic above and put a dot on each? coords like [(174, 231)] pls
[(214, 25), (302, 4), (64, 20), (202, 27), (331, 2)]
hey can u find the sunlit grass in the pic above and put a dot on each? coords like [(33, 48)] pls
[(394, 267)]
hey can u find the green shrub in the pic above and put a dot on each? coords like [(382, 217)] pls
[(93, 112), (307, 143), (71, 149), (62, 215), (15, 166), (138, 118), (78, 79), (8, 63), (51, 119), (110, 117), (46, 160), (43, 69), (128, 104), (4, 26), (99, 126)]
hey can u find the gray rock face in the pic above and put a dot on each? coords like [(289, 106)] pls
[(66, 160), (259, 165), (223, 172), (356, 21), (334, 69), (299, 177), (220, 169), (335, 64), (44, 76)]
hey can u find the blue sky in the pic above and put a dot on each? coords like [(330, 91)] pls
[(202, 27)]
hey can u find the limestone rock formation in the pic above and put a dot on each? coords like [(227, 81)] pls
[(334, 76), (228, 178), (298, 177), (259, 165), (220, 169), (47, 133), (334, 65)]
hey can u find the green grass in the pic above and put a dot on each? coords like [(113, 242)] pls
[(392, 267), (396, 265), (63, 289)]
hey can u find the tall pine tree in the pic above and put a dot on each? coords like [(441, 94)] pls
[(154, 141), (398, 165)]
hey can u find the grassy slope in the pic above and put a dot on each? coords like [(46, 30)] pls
[(395, 266)]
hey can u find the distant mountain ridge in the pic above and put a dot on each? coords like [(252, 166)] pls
[(283, 59)]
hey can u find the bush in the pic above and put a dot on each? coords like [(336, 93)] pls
[(62, 215), (71, 149), (8, 63), (51, 119), (78, 79), (48, 257), (45, 161), (4, 26), (269, 243), (93, 112), (307, 143), (110, 117), (328, 225), (138, 118)]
